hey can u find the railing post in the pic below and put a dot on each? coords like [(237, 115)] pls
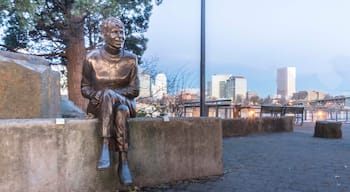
[(346, 115), (336, 116)]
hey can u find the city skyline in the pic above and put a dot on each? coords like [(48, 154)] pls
[(229, 86), (253, 38)]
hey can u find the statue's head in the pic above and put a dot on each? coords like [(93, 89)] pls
[(113, 32)]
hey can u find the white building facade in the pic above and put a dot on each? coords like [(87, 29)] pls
[(159, 89), (236, 88), (218, 82), (286, 82), (145, 85)]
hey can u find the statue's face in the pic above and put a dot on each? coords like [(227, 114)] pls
[(115, 36)]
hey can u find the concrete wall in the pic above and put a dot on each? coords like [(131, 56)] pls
[(241, 127), (40, 155)]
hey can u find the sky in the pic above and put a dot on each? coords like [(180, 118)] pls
[(253, 38)]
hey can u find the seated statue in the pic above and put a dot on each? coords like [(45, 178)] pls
[(110, 82)]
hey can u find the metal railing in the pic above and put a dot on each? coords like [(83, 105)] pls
[(226, 110)]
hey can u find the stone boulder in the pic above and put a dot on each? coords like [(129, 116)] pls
[(28, 87)]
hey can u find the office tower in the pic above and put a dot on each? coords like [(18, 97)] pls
[(160, 86), (236, 88), (218, 85), (286, 82), (209, 89), (145, 84)]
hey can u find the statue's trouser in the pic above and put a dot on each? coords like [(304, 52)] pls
[(114, 112)]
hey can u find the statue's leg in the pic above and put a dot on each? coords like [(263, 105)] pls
[(122, 130), (104, 160), (106, 122)]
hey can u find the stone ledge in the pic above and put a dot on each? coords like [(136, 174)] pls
[(247, 126), (40, 155)]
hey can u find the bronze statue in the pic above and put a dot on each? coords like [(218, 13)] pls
[(110, 81)]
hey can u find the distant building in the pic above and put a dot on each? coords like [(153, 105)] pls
[(209, 88), (223, 89), (188, 96), (286, 78), (251, 94), (145, 85), (193, 91), (309, 95), (228, 86), (218, 85), (159, 89), (236, 88)]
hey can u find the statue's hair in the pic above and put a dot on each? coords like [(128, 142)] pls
[(111, 21)]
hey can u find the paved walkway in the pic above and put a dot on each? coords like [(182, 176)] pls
[(279, 162)]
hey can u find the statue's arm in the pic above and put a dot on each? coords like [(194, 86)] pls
[(86, 83), (133, 89)]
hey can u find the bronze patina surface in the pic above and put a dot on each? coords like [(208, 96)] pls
[(111, 84)]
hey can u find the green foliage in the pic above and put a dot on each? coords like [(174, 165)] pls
[(47, 22), (15, 36), (141, 113)]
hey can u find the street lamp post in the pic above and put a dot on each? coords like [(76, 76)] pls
[(203, 112)]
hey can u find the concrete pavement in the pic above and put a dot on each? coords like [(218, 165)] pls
[(278, 162)]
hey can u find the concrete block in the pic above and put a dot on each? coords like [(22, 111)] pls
[(247, 126), (176, 150), (28, 87), (240, 126), (328, 129), (277, 124), (40, 155)]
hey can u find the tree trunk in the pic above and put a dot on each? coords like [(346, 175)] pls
[(76, 53)]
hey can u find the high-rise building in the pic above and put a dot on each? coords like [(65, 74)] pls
[(228, 86), (217, 85), (145, 84), (286, 77), (209, 88), (236, 88), (160, 86)]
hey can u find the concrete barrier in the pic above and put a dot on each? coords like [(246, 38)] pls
[(241, 127), (328, 129), (41, 155)]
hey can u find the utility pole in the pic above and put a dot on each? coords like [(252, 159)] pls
[(203, 112)]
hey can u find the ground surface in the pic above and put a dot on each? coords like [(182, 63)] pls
[(278, 162)]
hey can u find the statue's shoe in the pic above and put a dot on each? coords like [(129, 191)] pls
[(104, 161), (124, 173), (103, 164)]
